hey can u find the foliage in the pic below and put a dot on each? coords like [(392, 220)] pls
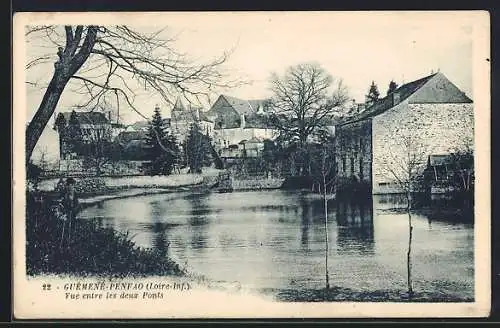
[(392, 86), (303, 101), (93, 250), (33, 173), (161, 147), (462, 163), (373, 94), (125, 61), (197, 149)]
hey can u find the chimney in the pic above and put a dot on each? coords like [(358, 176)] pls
[(395, 98), (242, 119), (197, 113)]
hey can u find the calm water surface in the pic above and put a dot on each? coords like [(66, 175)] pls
[(276, 239)]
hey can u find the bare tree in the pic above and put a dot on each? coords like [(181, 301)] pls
[(97, 147), (43, 161), (303, 98), (324, 175), (99, 62), (404, 165)]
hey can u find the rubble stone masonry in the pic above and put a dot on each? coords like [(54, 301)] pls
[(420, 130)]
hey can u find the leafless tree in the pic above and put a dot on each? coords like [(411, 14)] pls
[(303, 99), (323, 165), (43, 161), (97, 146), (462, 157), (113, 61), (404, 164)]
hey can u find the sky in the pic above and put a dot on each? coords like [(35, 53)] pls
[(357, 47)]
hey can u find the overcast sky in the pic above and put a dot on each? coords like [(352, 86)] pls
[(356, 47)]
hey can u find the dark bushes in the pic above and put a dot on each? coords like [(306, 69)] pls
[(92, 250)]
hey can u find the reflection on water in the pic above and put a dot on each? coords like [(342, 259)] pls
[(276, 239), (355, 231)]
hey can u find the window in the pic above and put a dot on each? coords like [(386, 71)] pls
[(352, 165), (343, 164), (361, 175)]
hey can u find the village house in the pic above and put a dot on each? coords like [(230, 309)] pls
[(239, 122), (429, 116), (182, 117), (81, 127)]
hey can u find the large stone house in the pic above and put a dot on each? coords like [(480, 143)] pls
[(237, 121), (81, 127), (429, 116)]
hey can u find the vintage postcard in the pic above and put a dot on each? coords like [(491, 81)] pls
[(251, 165)]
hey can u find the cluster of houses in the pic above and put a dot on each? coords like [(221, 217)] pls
[(432, 110)]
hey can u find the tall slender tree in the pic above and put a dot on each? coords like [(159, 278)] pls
[(198, 149), (373, 94), (162, 151)]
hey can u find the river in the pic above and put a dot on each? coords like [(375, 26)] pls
[(276, 239)]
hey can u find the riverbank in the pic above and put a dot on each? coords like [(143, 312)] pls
[(256, 184), (340, 294), (90, 250)]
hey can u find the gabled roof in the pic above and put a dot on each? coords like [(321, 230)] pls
[(386, 103), (85, 117), (245, 107), (179, 105), (418, 94)]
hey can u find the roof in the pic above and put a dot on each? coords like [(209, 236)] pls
[(86, 117), (386, 103), (244, 107), (432, 93), (127, 136), (437, 160), (254, 140), (139, 125), (190, 114), (179, 105), (142, 125), (257, 121)]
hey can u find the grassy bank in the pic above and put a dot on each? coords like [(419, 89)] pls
[(340, 294), (92, 250)]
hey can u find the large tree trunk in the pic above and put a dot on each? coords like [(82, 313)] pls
[(44, 112), (68, 64)]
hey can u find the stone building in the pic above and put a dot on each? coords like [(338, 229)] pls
[(429, 116), (182, 117), (237, 120), (81, 127)]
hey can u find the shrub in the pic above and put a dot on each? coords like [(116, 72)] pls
[(93, 250)]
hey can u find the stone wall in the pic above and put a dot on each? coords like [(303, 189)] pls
[(114, 168), (418, 130)]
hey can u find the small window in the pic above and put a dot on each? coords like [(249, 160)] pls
[(352, 165), (343, 164), (361, 174)]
